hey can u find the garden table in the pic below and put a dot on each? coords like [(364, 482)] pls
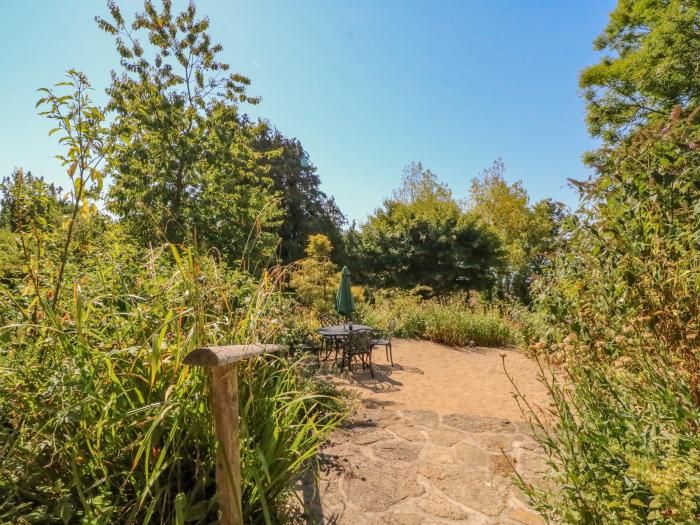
[(334, 334)]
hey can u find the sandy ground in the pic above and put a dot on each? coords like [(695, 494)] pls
[(447, 380), (433, 440)]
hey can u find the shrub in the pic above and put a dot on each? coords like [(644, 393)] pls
[(101, 423), (315, 279), (623, 449), (450, 320), (624, 294)]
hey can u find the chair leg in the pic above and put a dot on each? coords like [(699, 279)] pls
[(391, 354)]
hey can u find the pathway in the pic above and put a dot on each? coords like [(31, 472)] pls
[(434, 441)]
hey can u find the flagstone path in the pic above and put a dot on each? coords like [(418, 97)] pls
[(434, 441)]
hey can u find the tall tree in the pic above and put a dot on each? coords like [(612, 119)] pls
[(422, 237), (306, 210), (526, 231), (650, 66), (184, 161)]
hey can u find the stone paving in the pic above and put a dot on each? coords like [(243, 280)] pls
[(395, 466)]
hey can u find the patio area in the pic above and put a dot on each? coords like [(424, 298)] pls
[(433, 440)]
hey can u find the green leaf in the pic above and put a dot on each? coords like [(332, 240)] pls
[(180, 505)]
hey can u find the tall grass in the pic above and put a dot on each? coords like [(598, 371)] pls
[(101, 423), (450, 320)]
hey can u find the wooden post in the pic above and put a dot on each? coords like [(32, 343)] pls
[(223, 363)]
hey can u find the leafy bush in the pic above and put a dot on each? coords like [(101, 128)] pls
[(450, 320), (101, 423), (624, 448), (315, 278), (625, 294)]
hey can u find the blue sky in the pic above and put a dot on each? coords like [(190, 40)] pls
[(367, 86)]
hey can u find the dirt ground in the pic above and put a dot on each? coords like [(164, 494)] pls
[(471, 381), (435, 439)]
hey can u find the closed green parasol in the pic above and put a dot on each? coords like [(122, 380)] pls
[(344, 303)]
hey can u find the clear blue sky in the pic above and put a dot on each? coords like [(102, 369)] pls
[(367, 86)]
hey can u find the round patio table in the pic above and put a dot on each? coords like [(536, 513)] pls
[(341, 330), (334, 333)]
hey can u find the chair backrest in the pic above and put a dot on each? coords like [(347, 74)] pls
[(329, 319), (359, 341), (391, 327)]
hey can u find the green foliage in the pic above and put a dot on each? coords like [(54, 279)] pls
[(652, 47), (25, 196), (624, 292), (80, 125), (624, 448), (285, 418), (184, 160), (27, 205), (421, 237), (315, 279), (100, 422), (10, 258), (452, 320), (505, 208), (318, 245), (526, 231), (110, 427), (306, 210)]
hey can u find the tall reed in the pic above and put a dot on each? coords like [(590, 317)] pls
[(101, 423)]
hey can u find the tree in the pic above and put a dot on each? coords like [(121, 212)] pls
[(184, 161), (651, 67), (526, 231), (26, 196), (422, 185), (28, 205), (80, 125), (315, 278), (504, 207), (421, 237), (306, 210)]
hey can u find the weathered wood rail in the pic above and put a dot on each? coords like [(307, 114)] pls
[(223, 364)]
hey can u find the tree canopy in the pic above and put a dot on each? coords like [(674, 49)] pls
[(24, 195), (315, 278), (650, 65), (421, 237), (306, 210), (183, 161), (526, 231)]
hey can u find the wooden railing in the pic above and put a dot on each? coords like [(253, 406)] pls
[(223, 364)]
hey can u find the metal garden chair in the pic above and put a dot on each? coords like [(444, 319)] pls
[(384, 339), (359, 344)]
